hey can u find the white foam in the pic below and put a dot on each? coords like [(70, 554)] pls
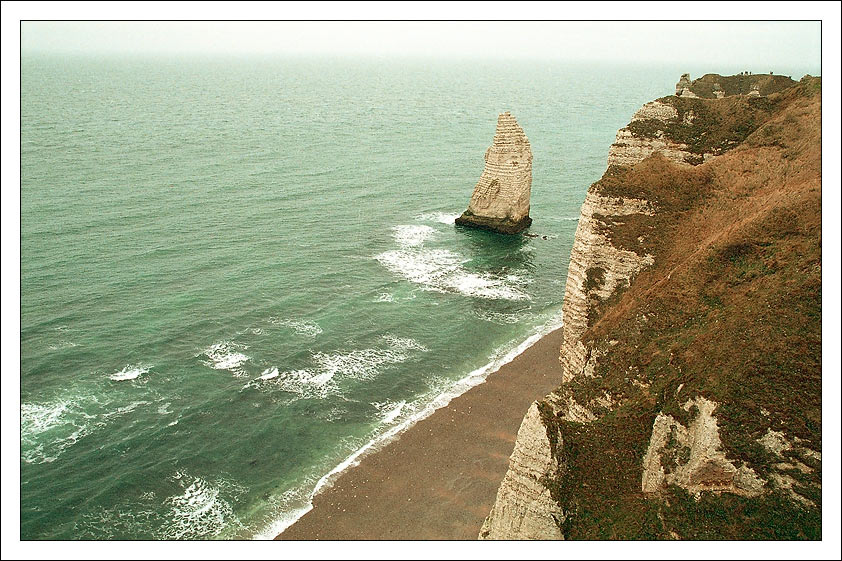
[(412, 235), (36, 418), (120, 411), (48, 429), (385, 297), (269, 373), (441, 270), (441, 217), (445, 392), (225, 355), (404, 343), (129, 372)]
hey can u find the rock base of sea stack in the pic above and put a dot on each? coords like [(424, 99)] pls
[(492, 224)]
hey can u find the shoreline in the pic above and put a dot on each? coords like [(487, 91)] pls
[(434, 476)]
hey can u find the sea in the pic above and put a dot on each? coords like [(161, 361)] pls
[(241, 274)]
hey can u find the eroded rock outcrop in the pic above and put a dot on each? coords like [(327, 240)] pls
[(682, 88), (500, 201), (692, 457)]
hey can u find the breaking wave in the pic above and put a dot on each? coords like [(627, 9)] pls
[(441, 270), (329, 369), (129, 372), (226, 355)]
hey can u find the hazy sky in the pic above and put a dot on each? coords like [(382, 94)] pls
[(754, 45)]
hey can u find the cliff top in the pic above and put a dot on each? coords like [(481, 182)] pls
[(739, 84)]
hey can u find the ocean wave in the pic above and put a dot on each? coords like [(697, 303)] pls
[(441, 270), (301, 327), (329, 368), (226, 355), (200, 509), (412, 235), (203, 510), (441, 217), (499, 317), (129, 372), (390, 410), (62, 345)]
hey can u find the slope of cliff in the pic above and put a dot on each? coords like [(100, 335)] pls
[(690, 406)]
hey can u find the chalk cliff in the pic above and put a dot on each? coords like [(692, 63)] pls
[(500, 201), (690, 403)]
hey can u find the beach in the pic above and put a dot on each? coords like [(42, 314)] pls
[(439, 479)]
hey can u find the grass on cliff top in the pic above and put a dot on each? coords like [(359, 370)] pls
[(740, 84), (731, 310)]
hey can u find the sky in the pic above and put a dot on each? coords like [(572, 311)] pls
[(760, 46)]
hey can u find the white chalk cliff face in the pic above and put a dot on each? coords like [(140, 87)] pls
[(500, 201), (524, 508)]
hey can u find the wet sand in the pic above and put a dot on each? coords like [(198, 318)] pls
[(439, 479)]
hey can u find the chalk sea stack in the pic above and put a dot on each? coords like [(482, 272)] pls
[(500, 202)]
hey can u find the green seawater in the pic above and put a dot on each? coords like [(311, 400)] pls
[(235, 273)]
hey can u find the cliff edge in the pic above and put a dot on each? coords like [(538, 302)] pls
[(690, 404), (500, 201)]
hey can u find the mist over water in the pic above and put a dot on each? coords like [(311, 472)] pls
[(237, 272)]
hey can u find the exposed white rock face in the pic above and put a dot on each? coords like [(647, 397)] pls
[(629, 149), (755, 91), (777, 443), (656, 110), (524, 508), (500, 201), (694, 457), (593, 250)]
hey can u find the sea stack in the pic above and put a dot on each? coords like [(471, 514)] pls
[(500, 202)]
